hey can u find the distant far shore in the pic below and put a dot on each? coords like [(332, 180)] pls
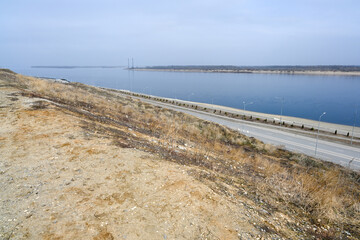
[(305, 72), (77, 66), (350, 70)]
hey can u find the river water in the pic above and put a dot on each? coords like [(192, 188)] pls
[(305, 96)]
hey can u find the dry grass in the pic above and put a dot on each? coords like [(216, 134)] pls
[(323, 193)]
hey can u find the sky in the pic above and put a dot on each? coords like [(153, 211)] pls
[(174, 32)]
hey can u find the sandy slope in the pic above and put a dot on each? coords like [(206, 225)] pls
[(59, 181)]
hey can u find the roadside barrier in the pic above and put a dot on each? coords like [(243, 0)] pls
[(244, 116)]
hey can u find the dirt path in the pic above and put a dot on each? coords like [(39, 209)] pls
[(59, 181)]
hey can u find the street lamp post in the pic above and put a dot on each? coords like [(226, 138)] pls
[(191, 94), (317, 135), (246, 104), (282, 105), (281, 112), (244, 113), (352, 132)]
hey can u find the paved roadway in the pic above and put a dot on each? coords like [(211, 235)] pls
[(348, 156), (329, 151), (326, 150)]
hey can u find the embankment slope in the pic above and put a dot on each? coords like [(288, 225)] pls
[(79, 162)]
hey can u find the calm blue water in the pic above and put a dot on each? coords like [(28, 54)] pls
[(304, 96)]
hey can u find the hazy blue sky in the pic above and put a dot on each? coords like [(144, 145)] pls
[(237, 32)]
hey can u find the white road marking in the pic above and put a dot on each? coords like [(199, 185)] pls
[(294, 145), (309, 148)]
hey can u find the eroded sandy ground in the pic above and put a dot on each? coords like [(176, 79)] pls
[(59, 181)]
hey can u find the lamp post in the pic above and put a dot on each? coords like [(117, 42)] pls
[(352, 132), (191, 94), (147, 89), (317, 135), (282, 105), (246, 104), (281, 112)]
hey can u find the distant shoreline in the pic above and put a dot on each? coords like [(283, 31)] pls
[(290, 72), (77, 66), (251, 70)]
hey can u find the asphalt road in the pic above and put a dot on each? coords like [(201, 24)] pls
[(348, 156)]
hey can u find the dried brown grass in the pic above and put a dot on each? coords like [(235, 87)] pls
[(322, 192)]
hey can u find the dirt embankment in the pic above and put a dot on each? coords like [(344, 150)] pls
[(68, 172), (60, 181)]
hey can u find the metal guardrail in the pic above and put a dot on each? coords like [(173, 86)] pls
[(240, 114)]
